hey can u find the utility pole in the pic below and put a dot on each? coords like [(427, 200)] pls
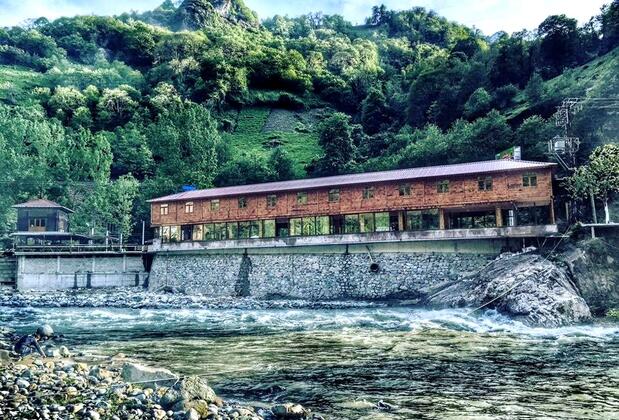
[(143, 228)]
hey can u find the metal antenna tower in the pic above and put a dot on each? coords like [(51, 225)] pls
[(563, 147)]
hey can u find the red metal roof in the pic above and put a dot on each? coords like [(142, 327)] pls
[(363, 178), (41, 204)]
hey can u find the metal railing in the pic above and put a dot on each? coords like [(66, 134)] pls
[(81, 248)]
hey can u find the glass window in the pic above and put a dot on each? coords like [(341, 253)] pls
[(269, 228), (209, 232), (244, 230), (405, 190), (189, 207), (381, 222), (163, 209), (322, 225), (442, 186), (334, 195), (175, 233), (309, 226), (529, 180), (255, 229), (198, 233), (271, 200), (422, 220), (368, 192), (484, 183), (242, 202), (38, 222), (296, 227), (366, 222), (186, 233), (219, 231), (232, 230), (351, 223), (165, 233), (214, 205), (301, 198)]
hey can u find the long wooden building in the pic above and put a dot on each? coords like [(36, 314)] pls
[(499, 193)]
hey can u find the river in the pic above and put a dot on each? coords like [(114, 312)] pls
[(429, 364)]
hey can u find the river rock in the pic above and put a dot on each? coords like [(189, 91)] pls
[(524, 286), (193, 392), (5, 356), (147, 376), (290, 411)]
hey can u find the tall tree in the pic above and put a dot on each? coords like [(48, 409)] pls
[(600, 177)]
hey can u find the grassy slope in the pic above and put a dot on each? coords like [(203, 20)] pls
[(249, 137), (597, 78), (17, 84)]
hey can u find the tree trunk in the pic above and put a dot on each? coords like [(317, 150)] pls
[(606, 213), (595, 215)]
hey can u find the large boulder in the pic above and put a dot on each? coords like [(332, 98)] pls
[(524, 286), (189, 393), (147, 376), (290, 411)]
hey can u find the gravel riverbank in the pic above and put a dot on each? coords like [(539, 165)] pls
[(66, 386), (138, 298)]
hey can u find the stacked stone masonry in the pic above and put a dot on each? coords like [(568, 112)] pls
[(312, 276)]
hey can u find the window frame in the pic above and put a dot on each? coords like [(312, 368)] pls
[(271, 200), (368, 193), (242, 202), (302, 198), (189, 206), (334, 195), (442, 187), (164, 209), (529, 179), (484, 183), (404, 190), (215, 205)]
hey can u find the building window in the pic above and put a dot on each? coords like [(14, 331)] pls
[(214, 205), (189, 207), (301, 198), (334, 195), (242, 202), (442, 186), (163, 210), (38, 222), (271, 200), (368, 192), (529, 180), (405, 190), (484, 183)]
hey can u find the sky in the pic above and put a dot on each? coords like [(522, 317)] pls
[(489, 16)]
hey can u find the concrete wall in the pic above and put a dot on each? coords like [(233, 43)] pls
[(51, 272), (402, 270)]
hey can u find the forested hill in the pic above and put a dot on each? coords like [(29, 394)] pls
[(102, 113)]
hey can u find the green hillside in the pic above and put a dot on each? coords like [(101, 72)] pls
[(103, 113)]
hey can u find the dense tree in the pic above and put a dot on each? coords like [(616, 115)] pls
[(599, 178), (559, 46), (336, 139)]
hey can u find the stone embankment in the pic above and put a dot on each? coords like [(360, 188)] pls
[(62, 387)]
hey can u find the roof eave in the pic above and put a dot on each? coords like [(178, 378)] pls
[(174, 197)]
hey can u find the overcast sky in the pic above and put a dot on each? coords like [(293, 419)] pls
[(488, 15)]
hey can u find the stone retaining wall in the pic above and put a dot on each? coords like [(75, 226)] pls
[(312, 276)]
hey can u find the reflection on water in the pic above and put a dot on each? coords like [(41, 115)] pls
[(430, 364)]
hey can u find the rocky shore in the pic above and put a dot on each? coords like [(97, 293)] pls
[(142, 299), (65, 386)]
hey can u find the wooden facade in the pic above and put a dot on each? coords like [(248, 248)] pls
[(494, 193)]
